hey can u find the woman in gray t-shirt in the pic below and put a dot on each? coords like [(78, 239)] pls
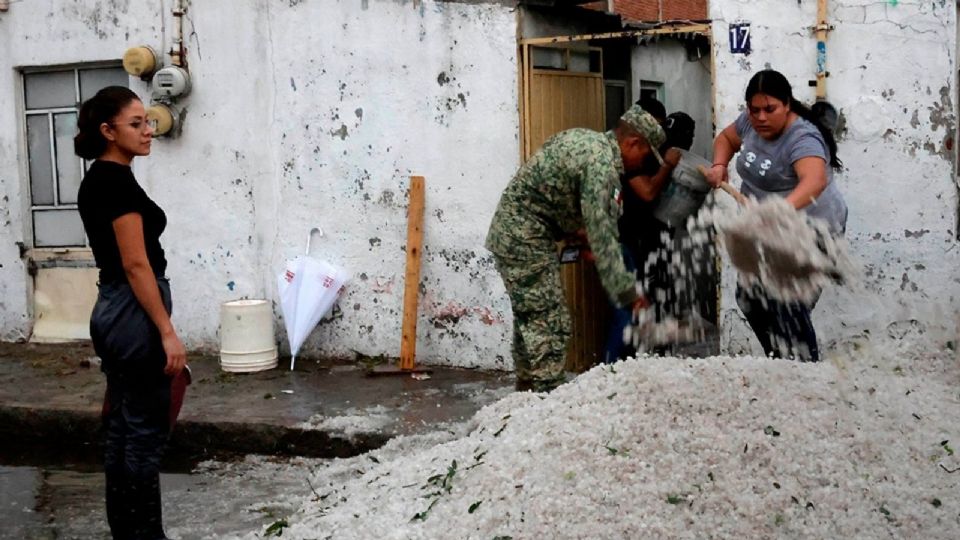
[(785, 152)]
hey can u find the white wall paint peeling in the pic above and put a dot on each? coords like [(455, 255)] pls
[(892, 75), (310, 114), (431, 93)]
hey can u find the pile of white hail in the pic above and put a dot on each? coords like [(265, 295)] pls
[(865, 445), (353, 421)]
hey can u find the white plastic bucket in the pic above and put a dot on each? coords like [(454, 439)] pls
[(247, 342)]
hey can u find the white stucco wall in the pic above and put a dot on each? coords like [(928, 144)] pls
[(302, 114), (14, 317), (687, 85), (893, 76), (315, 113)]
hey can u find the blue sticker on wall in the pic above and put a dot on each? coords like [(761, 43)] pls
[(740, 38)]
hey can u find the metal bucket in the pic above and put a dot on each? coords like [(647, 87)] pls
[(683, 196)]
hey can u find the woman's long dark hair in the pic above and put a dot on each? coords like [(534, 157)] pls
[(774, 84), (101, 108)]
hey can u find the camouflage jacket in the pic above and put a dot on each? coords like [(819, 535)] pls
[(571, 182)]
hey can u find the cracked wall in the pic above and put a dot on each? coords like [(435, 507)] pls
[(289, 129), (892, 76)]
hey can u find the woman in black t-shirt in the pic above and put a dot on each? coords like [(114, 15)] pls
[(130, 324)]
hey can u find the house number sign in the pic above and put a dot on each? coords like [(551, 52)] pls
[(740, 38)]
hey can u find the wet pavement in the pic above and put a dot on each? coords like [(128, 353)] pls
[(51, 484), (18, 498), (50, 395), (215, 501)]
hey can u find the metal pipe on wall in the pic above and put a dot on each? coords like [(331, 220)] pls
[(826, 114), (177, 54), (822, 28)]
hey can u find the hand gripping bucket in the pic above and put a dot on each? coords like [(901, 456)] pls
[(683, 196)]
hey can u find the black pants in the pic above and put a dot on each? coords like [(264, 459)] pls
[(785, 330), (136, 409)]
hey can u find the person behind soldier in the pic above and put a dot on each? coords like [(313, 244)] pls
[(641, 234)]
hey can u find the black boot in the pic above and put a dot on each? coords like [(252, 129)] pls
[(524, 385), (149, 514), (120, 512)]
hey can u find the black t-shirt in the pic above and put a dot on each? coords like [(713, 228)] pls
[(107, 192), (639, 230)]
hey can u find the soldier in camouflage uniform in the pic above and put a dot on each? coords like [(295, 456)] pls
[(570, 184)]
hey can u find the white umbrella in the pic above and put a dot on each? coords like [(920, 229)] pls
[(308, 288)]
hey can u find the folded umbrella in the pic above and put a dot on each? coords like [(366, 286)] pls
[(308, 288)]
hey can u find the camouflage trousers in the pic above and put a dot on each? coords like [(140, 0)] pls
[(541, 322)]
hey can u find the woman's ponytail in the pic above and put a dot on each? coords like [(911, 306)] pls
[(807, 114)]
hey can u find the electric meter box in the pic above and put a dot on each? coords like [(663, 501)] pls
[(141, 61), (170, 82), (165, 120)]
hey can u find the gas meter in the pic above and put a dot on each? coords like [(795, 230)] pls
[(164, 119), (170, 82), (141, 61)]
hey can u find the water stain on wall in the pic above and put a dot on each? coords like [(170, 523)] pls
[(387, 198), (906, 284), (100, 17), (942, 116), (5, 208), (461, 261), (452, 97), (342, 132)]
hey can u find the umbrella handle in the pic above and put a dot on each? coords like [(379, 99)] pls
[(310, 237)]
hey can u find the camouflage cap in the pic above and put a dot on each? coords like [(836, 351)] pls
[(647, 126)]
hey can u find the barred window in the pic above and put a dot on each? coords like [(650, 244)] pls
[(51, 100)]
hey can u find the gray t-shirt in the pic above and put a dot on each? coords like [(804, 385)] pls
[(766, 168)]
